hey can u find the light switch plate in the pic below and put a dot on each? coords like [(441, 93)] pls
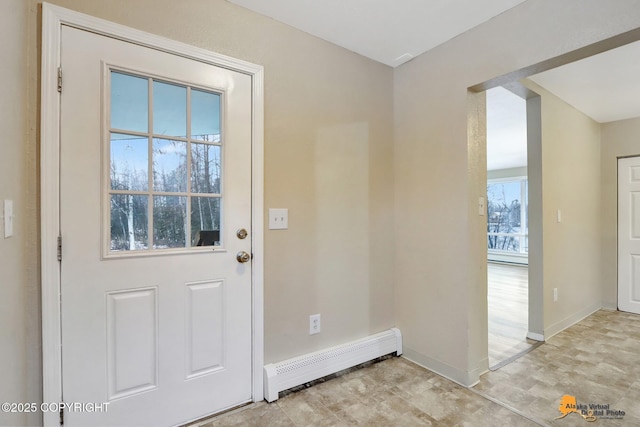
[(278, 219), (8, 218)]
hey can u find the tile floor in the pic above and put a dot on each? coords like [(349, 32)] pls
[(596, 361)]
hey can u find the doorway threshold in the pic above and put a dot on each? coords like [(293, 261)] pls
[(532, 345)]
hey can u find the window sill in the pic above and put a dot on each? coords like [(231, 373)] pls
[(513, 258)]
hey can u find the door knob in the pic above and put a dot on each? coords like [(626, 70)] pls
[(243, 257)]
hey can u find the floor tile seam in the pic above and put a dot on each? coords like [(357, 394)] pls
[(509, 408), (515, 357), (336, 414), (385, 389), (416, 408), (289, 417), (212, 419), (624, 396)]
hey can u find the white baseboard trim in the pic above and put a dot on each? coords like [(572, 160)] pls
[(465, 379), (610, 306), (535, 336), (299, 370), (571, 320), (481, 368)]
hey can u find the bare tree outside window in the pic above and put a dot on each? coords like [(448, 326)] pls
[(506, 230), (165, 185)]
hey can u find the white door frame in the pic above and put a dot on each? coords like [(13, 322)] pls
[(53, 18), (618, 240)]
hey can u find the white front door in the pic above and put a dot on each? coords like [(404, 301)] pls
[(629, 234), (155, 183)]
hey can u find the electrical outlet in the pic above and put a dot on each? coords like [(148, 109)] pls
[(278, 219), (555, 294), (314, 324)]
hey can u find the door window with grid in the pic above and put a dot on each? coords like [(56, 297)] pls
[(165, 157)]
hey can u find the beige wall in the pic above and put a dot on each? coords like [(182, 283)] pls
[(619, 139), (439, 273), (571, 184), (328, 151), (328, 158), (360, 208), (19, 289)]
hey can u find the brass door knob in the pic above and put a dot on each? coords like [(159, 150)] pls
[(243, 257)]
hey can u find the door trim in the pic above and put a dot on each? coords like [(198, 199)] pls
[(53, 18), (618, 257)]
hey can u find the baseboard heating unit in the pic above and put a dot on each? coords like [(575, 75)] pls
[(303, 369)]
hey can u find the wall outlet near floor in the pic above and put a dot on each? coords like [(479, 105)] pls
[(314, 324), (555, 294)]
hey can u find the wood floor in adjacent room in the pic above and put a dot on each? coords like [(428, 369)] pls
[(508, 309), (594, 361)]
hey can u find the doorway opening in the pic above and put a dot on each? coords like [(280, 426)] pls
[(507, 227)]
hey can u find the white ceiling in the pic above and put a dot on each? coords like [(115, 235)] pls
[(606, 87), (506, 130), (388, 31)]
